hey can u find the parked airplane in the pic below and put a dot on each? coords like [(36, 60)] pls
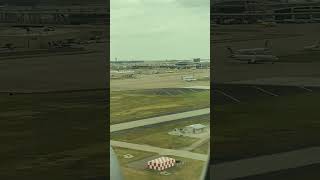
[(251, 51), (314, 47), (253, 58)]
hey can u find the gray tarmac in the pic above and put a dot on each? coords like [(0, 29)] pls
[(161, 151), (224, 70), (54, 73), (286, 73), (265, 164)]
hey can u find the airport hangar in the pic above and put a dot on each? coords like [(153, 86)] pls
[(251, 11)]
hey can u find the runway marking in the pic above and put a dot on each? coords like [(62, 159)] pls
[(227, 95), (265, 91), (302, 87)]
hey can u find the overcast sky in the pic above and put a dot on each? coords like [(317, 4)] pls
[(160, 29)]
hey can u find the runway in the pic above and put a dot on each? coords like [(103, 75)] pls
[(246, 92), (283, 81), (265, 164), (159, 119), (161, 151)]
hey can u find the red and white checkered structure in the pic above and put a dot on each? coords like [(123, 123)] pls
[(161, 163)]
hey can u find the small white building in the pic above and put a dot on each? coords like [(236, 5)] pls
[(195, 128)]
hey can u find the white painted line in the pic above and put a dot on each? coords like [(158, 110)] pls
[(265, 91), (302, 87), (227, 95)]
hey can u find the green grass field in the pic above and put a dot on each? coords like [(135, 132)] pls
[(158, 136), (190, 170), (203, 149), (134, 105), (53, 136), (268, 126), (138, 155)]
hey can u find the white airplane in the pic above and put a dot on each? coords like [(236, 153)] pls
[(315, 47), (253, 58), (251, 51)]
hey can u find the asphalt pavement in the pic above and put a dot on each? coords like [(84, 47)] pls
[(159, 119), (161, 151), (265, 164)]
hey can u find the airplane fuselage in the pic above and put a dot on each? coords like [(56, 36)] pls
[(253, 51), (255, 58)]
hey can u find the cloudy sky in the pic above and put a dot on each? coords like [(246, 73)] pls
[(160, 29)]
